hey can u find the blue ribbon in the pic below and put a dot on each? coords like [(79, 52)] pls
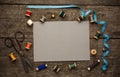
[(84, 14)]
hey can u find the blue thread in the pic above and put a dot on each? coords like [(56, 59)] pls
[(41, 67), (84, 14)]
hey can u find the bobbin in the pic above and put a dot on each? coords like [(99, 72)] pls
[(93, 52), (28, 13), (41, 67), (93, 65), (43, 19), (30, 22), (80, 18), (12, 57), (52, 16), (62, 14), (97, 35), (28, 45), (91, 19), (72, 66), (56, 68)]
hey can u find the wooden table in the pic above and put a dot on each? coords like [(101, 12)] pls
[(12, 19)]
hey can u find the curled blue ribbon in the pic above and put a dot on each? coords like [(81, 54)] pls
[(84, 14)]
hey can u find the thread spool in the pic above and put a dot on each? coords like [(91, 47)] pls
[(53, 16), (97, 35), (72, 66), (43, 19), (62, 14), (28, 13), (93, 52), (56, 68), (91, 19), (12, 57), (80, 18), (41, 67), (93, 65), (28, 45), (30, 22)]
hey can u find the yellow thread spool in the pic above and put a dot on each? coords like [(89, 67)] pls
[(12, 57), (93, 52)]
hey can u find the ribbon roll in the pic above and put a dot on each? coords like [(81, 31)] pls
[(84, 14)]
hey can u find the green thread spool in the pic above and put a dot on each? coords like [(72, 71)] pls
[(62, 14), (97, 35), (72, 66)]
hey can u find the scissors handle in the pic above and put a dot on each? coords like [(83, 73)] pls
[(19, 33), (8, 42)]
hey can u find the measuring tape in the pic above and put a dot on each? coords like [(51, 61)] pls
[(84, 14)]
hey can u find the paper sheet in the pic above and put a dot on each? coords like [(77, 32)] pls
[(61, 41)]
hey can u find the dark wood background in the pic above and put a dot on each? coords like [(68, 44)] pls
[(12, 19)]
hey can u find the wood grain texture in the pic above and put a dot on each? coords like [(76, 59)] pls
[(79, 2), (16, 19), (12, 19)]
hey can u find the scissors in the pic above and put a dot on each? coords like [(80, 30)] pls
[(19, 38)]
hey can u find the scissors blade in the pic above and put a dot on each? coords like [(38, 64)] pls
[(24, 65)]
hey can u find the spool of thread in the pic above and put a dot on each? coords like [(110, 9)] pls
[(97, 35), (53, 16), (93, 52), (91, 19), (12, 57), (80, 18), (28, 13), (41, 67), (62, 14), (43, 19), (93, 65), (30, 22), (28, 45), (56, 68), (72, 66)]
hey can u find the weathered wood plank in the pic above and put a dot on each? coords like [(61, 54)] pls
[(14, 19), (79, 2)]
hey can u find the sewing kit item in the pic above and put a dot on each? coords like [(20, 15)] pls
[(30, 22), (62, 14), (56, 68), (93, 52), (93, 65), (28, 13), (91, 18), (9, 42), (43, 19), (41, 67), (85, 14), (97, 35), (28, 45), (12, 57), (53, 16), (80, 18), (72, 66)]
